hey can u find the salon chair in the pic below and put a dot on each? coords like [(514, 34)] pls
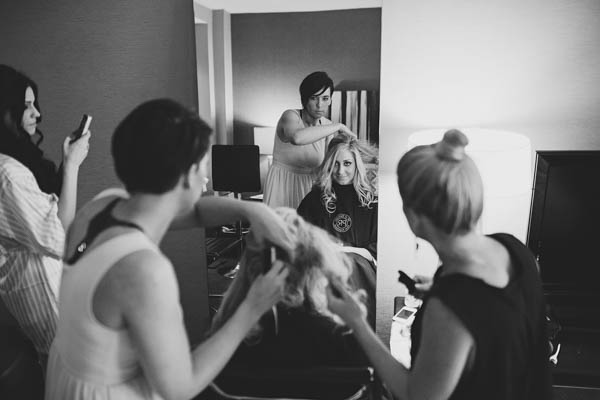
[(312, 383)]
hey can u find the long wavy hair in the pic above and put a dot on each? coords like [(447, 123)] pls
[(315, 260), (366, 159), (14, 140)]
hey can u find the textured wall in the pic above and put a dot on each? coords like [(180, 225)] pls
[(272, 53), (104, 58)]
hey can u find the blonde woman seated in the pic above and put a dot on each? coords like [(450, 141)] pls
[(300, 331), (343, 200)]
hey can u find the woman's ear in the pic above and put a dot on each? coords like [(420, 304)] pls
[(189, 175)]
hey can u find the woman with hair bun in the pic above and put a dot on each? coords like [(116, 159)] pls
[(481, 331)]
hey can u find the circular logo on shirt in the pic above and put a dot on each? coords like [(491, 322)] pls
[(342, 223)]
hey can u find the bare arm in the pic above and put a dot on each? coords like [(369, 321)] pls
[(445, 348), (214, 211), (291, 129), (153, 317), (73, 156)]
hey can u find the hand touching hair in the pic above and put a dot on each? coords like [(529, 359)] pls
[(315, 260)]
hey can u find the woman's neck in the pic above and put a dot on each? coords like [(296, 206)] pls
[(459, 252), (153, 213), (307, 119)]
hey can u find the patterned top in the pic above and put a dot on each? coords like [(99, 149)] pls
[(31, 246)]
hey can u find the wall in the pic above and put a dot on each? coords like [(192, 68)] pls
[(104, 58), (530, 67), (272, 53)]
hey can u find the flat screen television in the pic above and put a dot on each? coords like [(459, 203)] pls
[(564, 233)]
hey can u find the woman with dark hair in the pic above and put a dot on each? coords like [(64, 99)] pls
[(300, 142), (120, 333), (37, 204), (300, 331), (481, 332)]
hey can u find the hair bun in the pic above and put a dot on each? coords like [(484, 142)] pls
[(452, 146)]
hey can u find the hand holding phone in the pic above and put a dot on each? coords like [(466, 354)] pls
[(407, 281), (84, 125)]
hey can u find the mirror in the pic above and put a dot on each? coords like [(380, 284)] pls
[(250, 66)]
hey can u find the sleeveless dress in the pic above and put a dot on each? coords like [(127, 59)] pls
[(87, 359), (293, 171)]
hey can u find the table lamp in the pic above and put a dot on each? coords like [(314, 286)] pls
[(504, 162)]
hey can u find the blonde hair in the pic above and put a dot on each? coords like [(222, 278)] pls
[(366, 160), (315, 260), (442, 182)]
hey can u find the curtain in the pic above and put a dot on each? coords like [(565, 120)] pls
[(359, 111)]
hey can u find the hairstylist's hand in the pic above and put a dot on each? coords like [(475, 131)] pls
[(343, 304), (74, 153), (268, 226), (422, 285), (344, 130), (267, 289)]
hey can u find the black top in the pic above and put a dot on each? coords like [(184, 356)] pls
[(507, 324), (99, 223), (352, 223), (303, 339)]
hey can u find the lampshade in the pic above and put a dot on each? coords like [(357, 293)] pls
[(504, 162), (264, 138)]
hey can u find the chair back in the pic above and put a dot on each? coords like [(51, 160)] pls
[(313, 383)]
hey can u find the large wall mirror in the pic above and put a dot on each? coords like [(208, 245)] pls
[(252, 59)]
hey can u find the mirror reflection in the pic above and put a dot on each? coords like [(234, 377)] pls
[(304, 88)]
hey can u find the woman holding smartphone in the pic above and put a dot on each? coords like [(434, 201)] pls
[(37, 204), (481, 331)]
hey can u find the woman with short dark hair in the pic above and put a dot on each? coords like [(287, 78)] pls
[(120, 334), (300, 142)]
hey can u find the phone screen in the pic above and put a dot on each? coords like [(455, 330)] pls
[(404, 314), (84, 125)]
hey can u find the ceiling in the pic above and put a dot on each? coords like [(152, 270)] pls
[(269, 6)]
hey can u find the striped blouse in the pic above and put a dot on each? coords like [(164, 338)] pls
[(31, 246)]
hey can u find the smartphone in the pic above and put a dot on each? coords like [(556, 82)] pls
[(405, 315), (407, 281), (84, 125)]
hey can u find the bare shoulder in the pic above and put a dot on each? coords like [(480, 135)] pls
[(141, 278), (78, 227), (289, 122)]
